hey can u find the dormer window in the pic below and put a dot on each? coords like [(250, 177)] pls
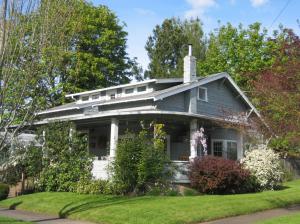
[(129, 91), (202, 94), (141, 88), (112, 96), (95, 97), (85, 98)]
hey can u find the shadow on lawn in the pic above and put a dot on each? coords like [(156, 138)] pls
[(73, 208), (14, 205)]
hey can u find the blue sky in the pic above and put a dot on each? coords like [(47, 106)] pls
[(141, 16)]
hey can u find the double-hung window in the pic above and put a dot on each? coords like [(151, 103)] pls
[(202, 94), (224, 148)]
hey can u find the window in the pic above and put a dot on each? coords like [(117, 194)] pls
[(113, 96), (85, 98), (141, 88), (129, 91), (224, 148), (231, 150), (202, 94), (218, 148), (95, 97)]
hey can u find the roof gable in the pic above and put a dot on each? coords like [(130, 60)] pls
[(187, 86)]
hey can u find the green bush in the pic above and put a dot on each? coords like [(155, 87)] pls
[(66, 159), (172, 192), (86, 186), (140, 162), (4, 191), (190, 192)]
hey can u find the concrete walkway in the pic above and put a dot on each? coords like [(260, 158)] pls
[(37, 218), (258, 216)]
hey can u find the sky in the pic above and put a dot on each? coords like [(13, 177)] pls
[(141, 16)]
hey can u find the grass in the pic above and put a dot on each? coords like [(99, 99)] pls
[(287, 219), (154, 209), (11, 221)]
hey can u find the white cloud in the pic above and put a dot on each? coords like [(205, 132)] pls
[(198, 7), (232, 2), (144, 12), (258, 3)]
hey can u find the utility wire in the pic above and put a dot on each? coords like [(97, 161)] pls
[(281, 11)]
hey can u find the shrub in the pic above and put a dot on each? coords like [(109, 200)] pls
[(264, 164), (4, 191), (190, 192), (215, 175), (66, 159), (86, 186), (140, 162)]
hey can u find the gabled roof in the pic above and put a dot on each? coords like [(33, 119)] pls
[(187, 86), (156, 95)]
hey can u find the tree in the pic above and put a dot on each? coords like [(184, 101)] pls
[(238, 51), (28, 29), (167, 46), (277, 93), (95, 57)]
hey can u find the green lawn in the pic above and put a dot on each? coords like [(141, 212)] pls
[(11, 221), (152, 209), (288, 219)]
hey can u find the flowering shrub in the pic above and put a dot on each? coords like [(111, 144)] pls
[(216, 175), (264, 165)]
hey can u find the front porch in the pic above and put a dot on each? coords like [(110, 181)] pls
[(104, 134)]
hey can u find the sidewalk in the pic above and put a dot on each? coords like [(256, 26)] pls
[(258, 216), (37, 218)]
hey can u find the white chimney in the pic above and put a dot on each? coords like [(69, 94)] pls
[(189, 67)]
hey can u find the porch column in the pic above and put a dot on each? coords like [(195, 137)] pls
[(193, 145), (240, 145), (114, 132)]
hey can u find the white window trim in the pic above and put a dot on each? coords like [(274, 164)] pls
[(224, 142), (135, 91), (114, 91), (206, 98)]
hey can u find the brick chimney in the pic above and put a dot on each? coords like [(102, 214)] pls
[(189, 67)]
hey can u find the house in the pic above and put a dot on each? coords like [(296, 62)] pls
[(182, 104)]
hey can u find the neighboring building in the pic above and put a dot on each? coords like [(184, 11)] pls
[(182, 104)]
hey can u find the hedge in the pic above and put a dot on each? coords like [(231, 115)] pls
[(4, 190)]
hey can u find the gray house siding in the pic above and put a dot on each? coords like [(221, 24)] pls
[(222, 133), (222, 100), (63, 113), (173, 103), (129, 105)]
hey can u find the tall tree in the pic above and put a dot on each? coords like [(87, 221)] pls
[(277, 93), (167, 46), (96, 55), (28, 28), (238, 51)]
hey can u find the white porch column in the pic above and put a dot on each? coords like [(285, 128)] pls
[(169, 145), (193, 145), (114, 132), (240, 145)]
